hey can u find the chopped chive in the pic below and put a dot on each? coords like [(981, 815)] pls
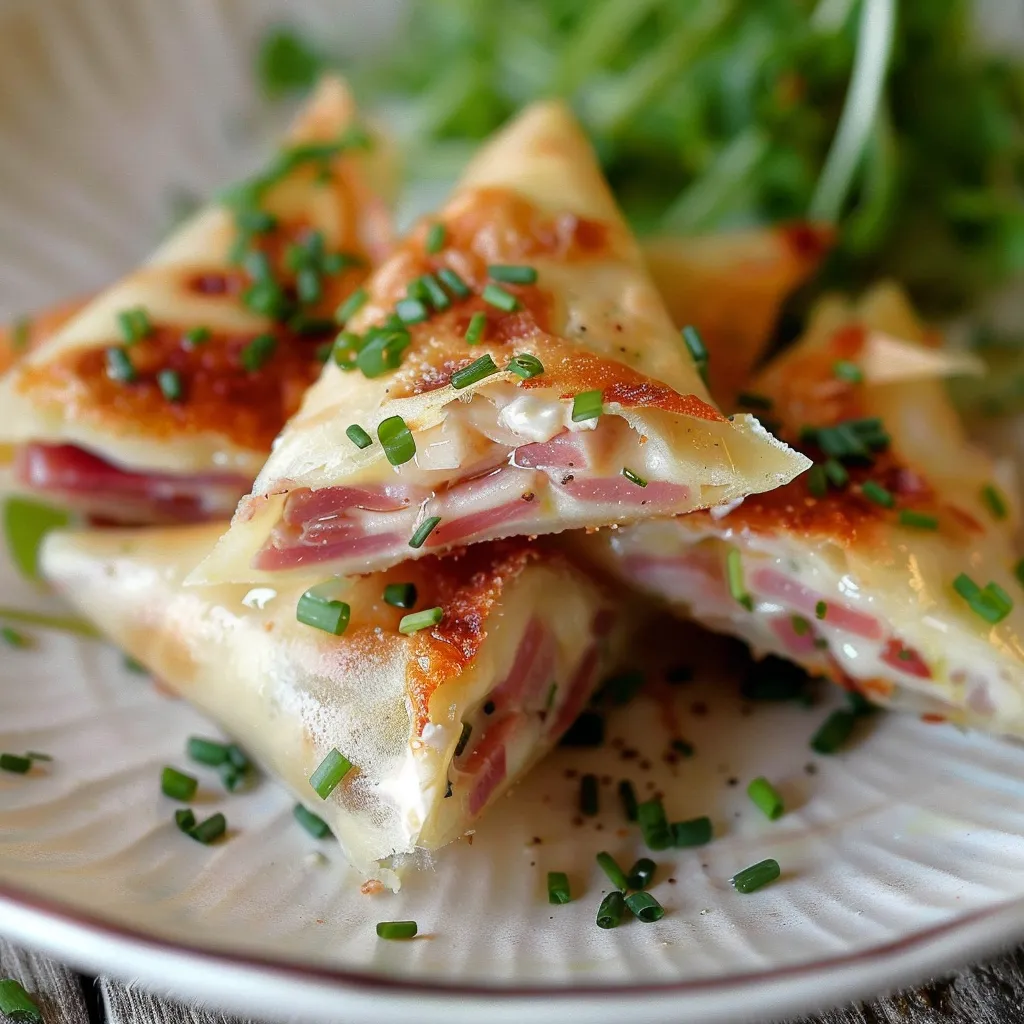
[(495, 295), (821, 610), (645, 907), (232, 777), (134, 324), (238, 757), (314, 825), (698, 352), (607, 863), (877, 493), (185, 819), (331, 770), (308, 286), (525, 365), (734, 576), (382, 351), (257, 265), (633, 478), (622, 687), (650, 816), (756, 876), (586, 731), (475, 372), (415, 621), (436, 235), (320, 608), (995, 501), (423, 531), (751, 400), (991, 602), (177, 785), (766, 797), (511, 274), (210, 830), (558, 887), (411, 311), (641, 874), (21, 333), (396, 439), (134, 665), (682, 747), (351, 306), (266, 298), (170, 385), (119, 365), (15, 763), (817, 481), (613, 906), (918, 520), (695, 832), (627, 794), (836, 473), (206, 751), (834, 732), (359, 437), (335, 262), (1018, 571), (16, 1004), (467, 729), (256, 354), (434, 293), (396, 930), (475, 330), (587, 405), (13, 638), (400, 595), (196, 336), (843, 369), (851, 439), (588, 795), (324, 350), (859, 704), (35, 755), (453, 283), (801, 626), (255, 221), (417, 290)]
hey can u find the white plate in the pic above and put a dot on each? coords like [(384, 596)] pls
[(900, 856)]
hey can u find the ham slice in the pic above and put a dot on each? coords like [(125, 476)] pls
[(563, 451)]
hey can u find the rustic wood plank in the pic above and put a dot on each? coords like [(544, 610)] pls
[(55, 988), (129, 1004)]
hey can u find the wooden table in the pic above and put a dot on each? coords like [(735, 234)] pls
[(992, 993)]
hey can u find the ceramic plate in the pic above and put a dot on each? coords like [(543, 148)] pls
[(900, 856)]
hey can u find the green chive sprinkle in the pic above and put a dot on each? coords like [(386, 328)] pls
[(821, 610), (587, 405), (641, 874), (877, 493), (411, 311), (15, 763), (453, 283), (210, 830), (475, 372), (351, 306), (314, 825), (382, 351), (266, 298), (185, 819), (734, 576), (134, 324), (400, 595), (359, 437), (650, 816), (801, 626), (588, 795), (475, 330), (436, 235), (756, 876), (256, 354), (308, 286), (119, 366), (995, 501), (434, 293), (698, 352), (645, 907), (257, 265), (918, 520), (415, 621), (423, 531), (170, 385), (16, 1003), (197, 336), (627, 794), (607, 863), (204, 751), (396, 439), (396, 930), (335, 262), (751, 400), (695, 832), (177, 785), (843, 369), (467, 729), (1018, 571), (766, 797), (237, 756), (991, 602), (494, 295), (851, 439), (35, 755), (332, 769), (833, 733), (622, 687), (836, 473), (558, 887), (511, 274), (817, 481), (320, 608), (633, 478), (525, 365), (13, 638), (613, 906)]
